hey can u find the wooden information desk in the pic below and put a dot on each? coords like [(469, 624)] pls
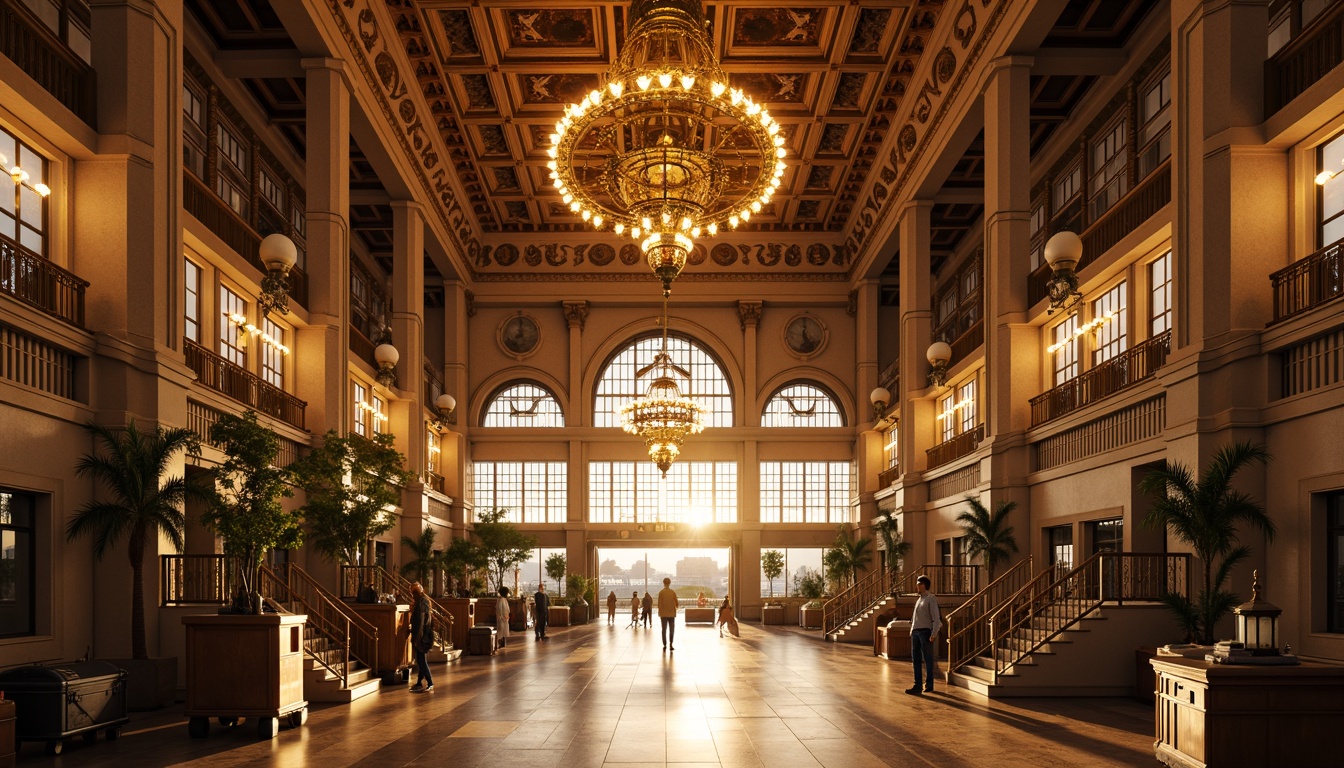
[(393, 623), (1219, 715), (245, 666)]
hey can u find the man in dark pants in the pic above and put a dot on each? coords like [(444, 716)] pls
[(543, 607), (667, 613), (924, 625), (422, 639)]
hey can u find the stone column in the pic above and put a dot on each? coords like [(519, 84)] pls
[(867, 300), (749, 318), (576, 411), (323, 345), (915, 423), (408, 331), (458, 309)]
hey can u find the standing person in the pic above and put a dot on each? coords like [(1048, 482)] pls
[(422, 639), (701, 601), (634, 608), (924, 625), (543, 602), (647, 605), (727, 619), (667, 612), (611, 607), (503, 612)]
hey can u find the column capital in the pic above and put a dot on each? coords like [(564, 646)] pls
[(749, 313), (576, 313)]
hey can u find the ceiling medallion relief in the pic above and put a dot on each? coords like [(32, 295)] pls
[(972, 27), (810, 257)]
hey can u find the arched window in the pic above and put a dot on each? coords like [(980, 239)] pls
[(523, 405), (617, 384), (802, 405)]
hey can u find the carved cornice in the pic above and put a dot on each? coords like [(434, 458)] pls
[(749, 312), (576, 313)]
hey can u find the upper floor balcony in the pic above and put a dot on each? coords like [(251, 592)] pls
[(955, 448), (42, 48), (234, 381), (1308, 283), (39, 283), (1118, 373), (1312, 48)]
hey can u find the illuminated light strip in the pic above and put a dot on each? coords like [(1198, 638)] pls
[(952, 409), (377, 414), (1082, 330), (242, 323)]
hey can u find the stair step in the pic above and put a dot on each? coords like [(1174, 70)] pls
[(330, 691)]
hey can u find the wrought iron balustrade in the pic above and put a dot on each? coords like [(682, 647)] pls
[(39, 283), (1305, 59), (234, 381), (1120, 372), (43, 56), (959, 446), (1308, 283)]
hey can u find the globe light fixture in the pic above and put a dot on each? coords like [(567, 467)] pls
[(663, 417), (446, 407), (1063, 251), (279, 255), (939, 356), (386, 356), (666, 151), (880, 397)]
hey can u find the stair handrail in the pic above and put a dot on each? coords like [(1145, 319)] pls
[(859, 596), (353, 576), (1061, 603), (968, 624), (947, 579), (327, 618)]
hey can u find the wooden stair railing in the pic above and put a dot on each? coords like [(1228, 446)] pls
[(849, 602), (1044, 608), (954, 580), (968, 623), (384, 581), (328, 621)]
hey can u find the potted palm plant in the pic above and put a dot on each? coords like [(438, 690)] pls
[(425, 560), (576, 585), (988, 535), (142, 501), (1205, 513)]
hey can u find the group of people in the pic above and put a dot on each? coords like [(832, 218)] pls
[(641, 611)]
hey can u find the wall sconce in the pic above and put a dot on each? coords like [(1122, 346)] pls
[(446, 406), (939, 356), (21, 177), (279, 255), (386, 356), (879, 397), (1063, 251)]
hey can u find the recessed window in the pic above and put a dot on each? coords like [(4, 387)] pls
[(1060, 539), (694, 492), (1159, 304), (234, 168), (272, 353), (194, 145), (1065, 355), (1067, 186), (532, 492), (379, 415), (362, 408), (192, 304), (1109, 181), (23, 212), (1112, 335), (805, 491), (1155, 119), (618, 384), (523, 405), (18, 590), (1330, 158), (802, 405), (231, 337), (1334, 577), (1108, 535)]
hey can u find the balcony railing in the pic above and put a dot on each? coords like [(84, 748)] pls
[(201, 417), (247, 388), (1142, 202), (433, 383), (234, 231), (1305, 59), (41, 284), (961, 445), (888, 476), (1308, 283), (360, 346), (197, 579), (968, 342), (25, 41), (1120, 372)]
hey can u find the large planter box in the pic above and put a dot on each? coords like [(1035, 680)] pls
[(393, 623), (772, 614), (699, 615), (56, 702), (578, 614), (809, 618), (558, 616), (245, 666), (463, 610), (892, 641), (520, 614)]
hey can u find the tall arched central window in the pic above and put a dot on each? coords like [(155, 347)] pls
[(802, 405), (523, 405), (617, 385)]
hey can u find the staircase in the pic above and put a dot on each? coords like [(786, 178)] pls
[(339, 646), (384, 581), (1064, 632), (851, 616)]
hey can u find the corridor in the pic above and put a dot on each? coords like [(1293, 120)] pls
[(598, 695)]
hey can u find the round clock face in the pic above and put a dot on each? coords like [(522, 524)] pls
[(519, 335), (805, 335)]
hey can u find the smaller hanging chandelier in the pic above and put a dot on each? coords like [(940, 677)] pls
[(663, 417)]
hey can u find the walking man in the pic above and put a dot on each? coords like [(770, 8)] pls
[(924, 626), (422, 639), (667, 612), (647, 605), (543, 605)]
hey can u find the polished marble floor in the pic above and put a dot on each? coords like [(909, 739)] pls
[(600, 695)]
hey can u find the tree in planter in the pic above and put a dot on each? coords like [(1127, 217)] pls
[(351, 483), (895, 545), (772, 565), (847, 556), (1205, 513), (461, 558), (132, 468), (424, 560), (246, 511), (988, 535), (502, 544), (576, 587), (809, 584), (555, 568)]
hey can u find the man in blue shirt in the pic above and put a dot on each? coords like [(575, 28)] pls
[(924, 625)]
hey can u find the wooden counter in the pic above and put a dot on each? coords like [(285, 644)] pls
[(393, 623), (245, 666), (1217, 715)]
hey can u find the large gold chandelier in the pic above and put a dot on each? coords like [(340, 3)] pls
[(663, 417), (666, 150)]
